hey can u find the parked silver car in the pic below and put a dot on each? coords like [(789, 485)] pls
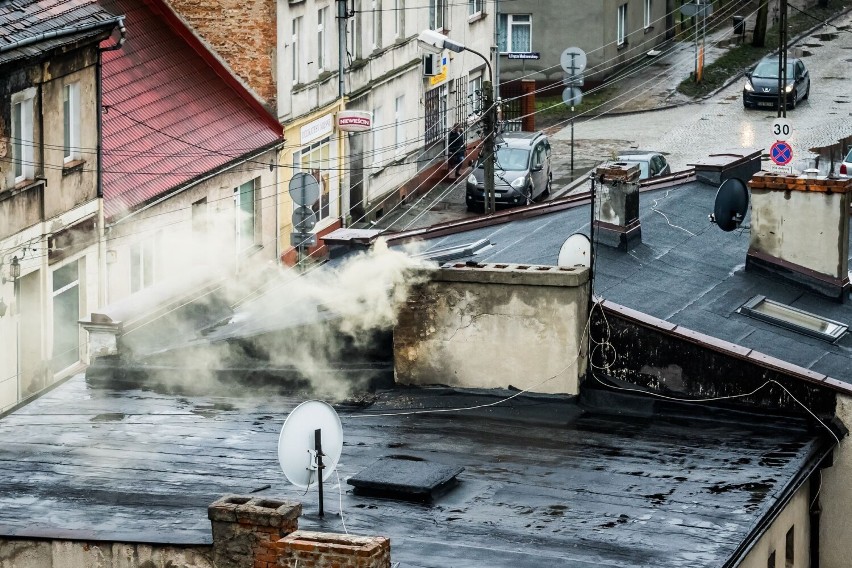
[(846, 165), (522, 173), (651, 164)]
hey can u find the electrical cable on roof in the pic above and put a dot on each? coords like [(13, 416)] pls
[(340, 496)]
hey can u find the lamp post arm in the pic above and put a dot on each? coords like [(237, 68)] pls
[(485, 59)]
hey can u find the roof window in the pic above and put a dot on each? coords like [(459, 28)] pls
[(762, 308)]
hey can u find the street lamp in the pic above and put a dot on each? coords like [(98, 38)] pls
[(435, 42)]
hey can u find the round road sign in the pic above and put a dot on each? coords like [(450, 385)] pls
[(304, 189), (782, 128), (572, 96), (781, 153), (573, 60)]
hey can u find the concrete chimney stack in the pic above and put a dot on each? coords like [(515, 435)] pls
[(617, 206), (800, 231)]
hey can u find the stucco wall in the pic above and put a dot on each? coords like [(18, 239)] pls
[(495, 326), (795, 516), (835, 527), (178, 250), (805, 228), (23, 553)]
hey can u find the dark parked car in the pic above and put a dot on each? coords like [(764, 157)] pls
[(761, 85), (651, 164), (522, 173)]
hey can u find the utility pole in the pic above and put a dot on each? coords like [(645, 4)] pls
[(782, 61), (489, 125)]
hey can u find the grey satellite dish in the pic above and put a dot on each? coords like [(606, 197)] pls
[(296, 445), (575, 251), (731, 204)]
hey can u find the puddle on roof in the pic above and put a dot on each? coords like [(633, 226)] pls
[(109, 417)]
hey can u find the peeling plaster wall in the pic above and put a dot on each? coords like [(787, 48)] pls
[(805, 228), (495, 326), (23, 553), (835, 527), (795, 516)]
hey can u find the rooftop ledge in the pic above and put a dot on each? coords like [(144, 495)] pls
[(514, 274), (783, 182)]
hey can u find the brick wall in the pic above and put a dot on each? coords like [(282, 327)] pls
[(243, 33), (324, 550)]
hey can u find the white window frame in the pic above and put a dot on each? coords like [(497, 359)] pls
[(377, 24), (145, 248), (23, 148), (621, 25), (356, 32), (71, 122), (647, 20), (325, 167), (322, 17), (377, 138), (510, 22), (399, 18), (475, 8), (294, 49), (399, 140), (245, 243), (439, 15)]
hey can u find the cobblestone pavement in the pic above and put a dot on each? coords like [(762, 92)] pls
[(690, 132)]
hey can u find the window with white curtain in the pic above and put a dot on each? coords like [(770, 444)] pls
[(621, 23), (399, 18), (514, 33), (377, 24), (399, 141), (647, 22), (475, 7)]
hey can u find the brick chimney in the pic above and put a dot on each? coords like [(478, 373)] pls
[(261, 532), (617, 206), (800, 231)]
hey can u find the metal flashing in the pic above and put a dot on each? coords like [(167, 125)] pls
[(762, 308)]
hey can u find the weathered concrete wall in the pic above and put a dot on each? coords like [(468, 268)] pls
[(24, 553), (794, 517), (494, 326), (835, 527), (808, 229)]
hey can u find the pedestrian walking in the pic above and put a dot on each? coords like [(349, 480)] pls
[(455, 149)]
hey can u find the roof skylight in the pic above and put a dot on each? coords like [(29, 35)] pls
[(762, 308)]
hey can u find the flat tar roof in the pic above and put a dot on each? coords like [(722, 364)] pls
[(686, 271), (545, 480)]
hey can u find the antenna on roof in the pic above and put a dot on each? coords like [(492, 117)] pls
[(731, 205), (310, 445), (575, 251)]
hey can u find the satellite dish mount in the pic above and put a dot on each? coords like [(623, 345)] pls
[(303, 457)]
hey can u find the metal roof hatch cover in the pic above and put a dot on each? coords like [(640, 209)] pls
[(407, 478)]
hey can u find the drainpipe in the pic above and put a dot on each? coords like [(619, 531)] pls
[(814, 512), (103, 297)]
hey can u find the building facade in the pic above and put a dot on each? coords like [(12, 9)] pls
[(49, 187)]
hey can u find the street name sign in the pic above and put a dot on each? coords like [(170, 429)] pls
[(525, 55)]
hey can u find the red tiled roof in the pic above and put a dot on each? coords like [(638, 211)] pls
[(168, 116)]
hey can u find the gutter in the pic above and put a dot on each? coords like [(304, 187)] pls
[(277, 145), (62, 33)]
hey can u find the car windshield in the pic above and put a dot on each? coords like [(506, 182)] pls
[(768, 69), (511, 159), (849, 156)]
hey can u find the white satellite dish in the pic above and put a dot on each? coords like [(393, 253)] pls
[(297, 448), (575, 251)]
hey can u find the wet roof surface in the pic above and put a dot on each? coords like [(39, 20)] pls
[(543, 479), (686, 271)]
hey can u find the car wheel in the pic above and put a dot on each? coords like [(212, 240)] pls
[(807, 93), (528, 195), (793, 100)]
